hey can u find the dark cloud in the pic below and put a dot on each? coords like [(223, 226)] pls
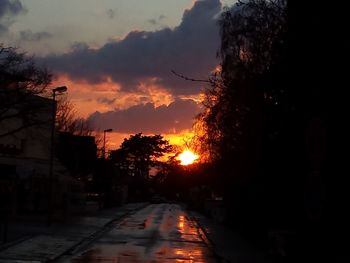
[(76, 47), (152, 21), (111, 13), (28, 35), (189, 48), (148, 119), (9, 9), (156, 21)]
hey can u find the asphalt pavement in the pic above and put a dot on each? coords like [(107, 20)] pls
[(138, 232), (156, 233), (47, 244)]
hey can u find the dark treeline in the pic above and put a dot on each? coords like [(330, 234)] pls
[(268, 124), (253, 119)]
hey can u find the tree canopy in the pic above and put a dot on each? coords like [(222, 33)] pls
[(249, 126), (21, 82), (140, 152), (253, 43)]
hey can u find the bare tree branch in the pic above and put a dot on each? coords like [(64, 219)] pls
[(22, 84), (189, 79), (68, 121)]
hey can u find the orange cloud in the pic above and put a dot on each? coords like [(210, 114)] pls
[(85, 95), (198, 98), (158, 95), (108, 96)]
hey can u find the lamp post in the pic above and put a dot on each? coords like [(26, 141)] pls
[(58, 90), (104, 142)]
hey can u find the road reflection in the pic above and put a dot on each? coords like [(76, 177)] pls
[(181, 224), (189, 254), (157, 233)]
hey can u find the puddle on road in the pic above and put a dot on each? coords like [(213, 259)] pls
[(159, 234), (165, 252), (111, 253)]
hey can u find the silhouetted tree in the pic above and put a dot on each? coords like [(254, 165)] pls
[(68, 121), (252, 39), (21, 81), (140, 152), (248, 128)]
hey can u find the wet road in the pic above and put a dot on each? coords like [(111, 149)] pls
[(157, 233)]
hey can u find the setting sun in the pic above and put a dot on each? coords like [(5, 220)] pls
[(187, 157)]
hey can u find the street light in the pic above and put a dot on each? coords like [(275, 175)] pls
[(58, 90), (104, 142)]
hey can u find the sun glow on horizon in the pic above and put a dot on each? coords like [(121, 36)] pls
[(187, 157)]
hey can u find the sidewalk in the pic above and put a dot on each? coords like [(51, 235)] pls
[(39, 243), (227, 245)]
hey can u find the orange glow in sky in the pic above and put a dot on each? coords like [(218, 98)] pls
[(88, 98), (187, 157)]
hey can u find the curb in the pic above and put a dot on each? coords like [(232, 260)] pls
[(207, 239)]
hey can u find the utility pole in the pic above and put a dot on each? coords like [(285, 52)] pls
[(58, 90), (104, 143)]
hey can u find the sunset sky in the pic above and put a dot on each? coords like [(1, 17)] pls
[(116, 57)]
